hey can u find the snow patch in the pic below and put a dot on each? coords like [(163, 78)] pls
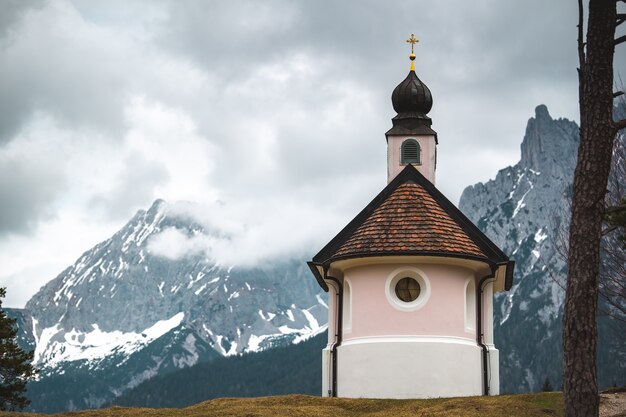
[(54, 347), (321, 300), (290, 316), (520, 203), (313, 324), (307, 335), (540, 236), (199, 290), (254, 343), (269, 317), (507, 304), (288, 330), (206, 329)]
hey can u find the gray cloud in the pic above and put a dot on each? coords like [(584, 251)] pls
[(52, 62), (27, 190), (488, 64), (13, 11), (132, 189)]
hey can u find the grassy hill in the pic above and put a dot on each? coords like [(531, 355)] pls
[(525, 405)]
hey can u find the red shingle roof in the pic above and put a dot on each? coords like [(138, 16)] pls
[(411, 217), (409, 220)]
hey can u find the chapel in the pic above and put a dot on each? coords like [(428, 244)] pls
[(411, 279)]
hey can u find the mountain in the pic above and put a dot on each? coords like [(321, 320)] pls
[(525, 211), (121, 314)]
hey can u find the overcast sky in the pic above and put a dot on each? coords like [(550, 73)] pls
[(269, 114)]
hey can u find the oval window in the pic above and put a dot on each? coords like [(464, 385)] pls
[(407, 289)]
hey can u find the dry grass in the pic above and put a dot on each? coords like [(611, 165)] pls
[(526, 405)]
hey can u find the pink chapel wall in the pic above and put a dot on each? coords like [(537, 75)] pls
[(435, 336), (372, 315), (428, 156)]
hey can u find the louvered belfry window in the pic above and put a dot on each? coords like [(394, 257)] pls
[(410, 152)]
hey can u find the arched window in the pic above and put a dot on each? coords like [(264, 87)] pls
[(347, 306), (470, 304), (410, 153)]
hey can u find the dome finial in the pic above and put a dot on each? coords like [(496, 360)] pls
[(412, 40)]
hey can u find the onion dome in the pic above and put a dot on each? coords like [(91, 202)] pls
[(412, 101), (411, 98)]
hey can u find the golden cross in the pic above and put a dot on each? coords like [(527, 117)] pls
[(412, 40)]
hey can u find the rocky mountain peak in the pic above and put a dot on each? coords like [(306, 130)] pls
[(542, 113), (548, 141), (121, 287), (157, 207)]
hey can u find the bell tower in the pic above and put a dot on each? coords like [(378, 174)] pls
[(411, 139)]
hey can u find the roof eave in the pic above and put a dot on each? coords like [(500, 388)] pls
[(504, 276), (315, 269), (326, 263)]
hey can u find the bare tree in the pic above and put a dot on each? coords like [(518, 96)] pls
[(597, 134), (613, 245)]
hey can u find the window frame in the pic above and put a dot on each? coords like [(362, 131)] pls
[(347, 306), (470, 304), (407, 272), (403, 160)]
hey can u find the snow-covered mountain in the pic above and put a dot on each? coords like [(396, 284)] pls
[(119, 301), (525, 210)]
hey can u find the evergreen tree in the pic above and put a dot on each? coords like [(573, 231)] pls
[(547, 386), (15, 365)]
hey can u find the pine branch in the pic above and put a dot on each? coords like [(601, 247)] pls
[(617, 94), (620, 124), (619, 40)]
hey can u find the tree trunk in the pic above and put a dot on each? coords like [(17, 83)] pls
[(597, 132)]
